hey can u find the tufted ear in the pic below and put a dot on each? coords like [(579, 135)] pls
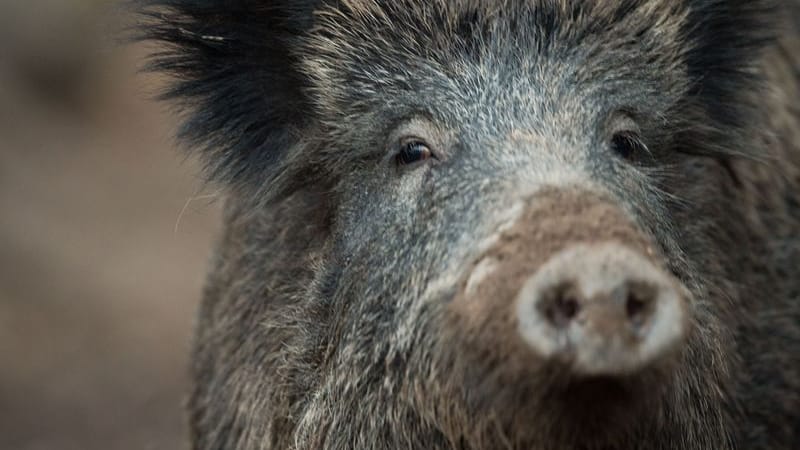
[(234, 76), (727, 38)]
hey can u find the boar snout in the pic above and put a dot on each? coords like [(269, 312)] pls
[(569, 310), (572, 283), (602, 309)]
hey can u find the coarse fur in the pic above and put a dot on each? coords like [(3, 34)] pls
[(327, 318)]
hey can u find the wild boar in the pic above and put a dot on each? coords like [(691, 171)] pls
[(479, 224)]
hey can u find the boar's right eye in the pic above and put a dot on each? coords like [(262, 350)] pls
[(413, 152)]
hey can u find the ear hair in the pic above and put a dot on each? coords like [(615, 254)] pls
[(234, 76), (727, 38)]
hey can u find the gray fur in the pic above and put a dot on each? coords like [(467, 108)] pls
[(325, 322)]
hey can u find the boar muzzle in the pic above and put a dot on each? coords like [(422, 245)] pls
[(572, 281)]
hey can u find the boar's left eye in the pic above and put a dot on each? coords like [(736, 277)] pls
[(628, 145), (412, 152)]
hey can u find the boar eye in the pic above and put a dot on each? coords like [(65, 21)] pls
[(412, 152), (628, 145)]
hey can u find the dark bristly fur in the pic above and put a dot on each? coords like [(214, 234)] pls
[(232, 65), (328, 319)]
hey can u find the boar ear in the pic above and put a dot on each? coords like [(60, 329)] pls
[(726, 41), (233, 75)]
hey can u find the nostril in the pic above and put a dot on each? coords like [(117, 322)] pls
[(639, 303), (561, 304), (634, 306)]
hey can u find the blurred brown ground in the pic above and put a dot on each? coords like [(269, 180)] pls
[(97, 286)]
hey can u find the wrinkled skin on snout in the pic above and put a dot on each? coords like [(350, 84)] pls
[(463, 225)]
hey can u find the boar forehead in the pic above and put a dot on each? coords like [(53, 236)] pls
[(510, 77), (462, 57)]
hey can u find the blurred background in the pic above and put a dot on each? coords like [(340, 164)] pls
[(105, 232)]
